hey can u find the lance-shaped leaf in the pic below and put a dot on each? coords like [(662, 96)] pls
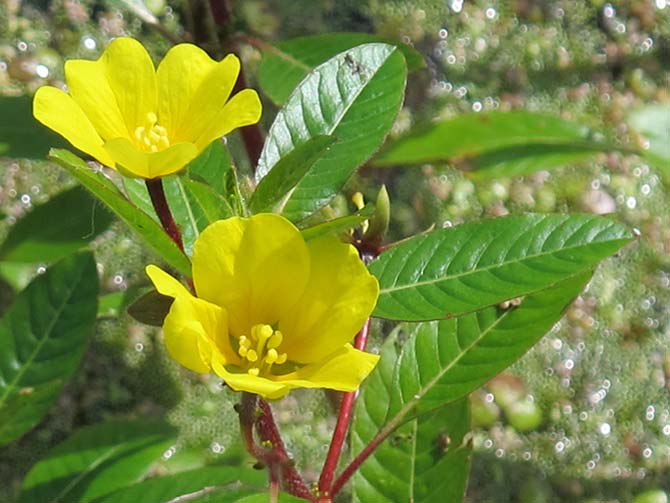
[(449, 272), (286, 63), (287, 173), (497, 144), (425, 460), (441, 363), (143, 224), (97, 460), (61, 226), (43, 336), (190, 485), (355, 96)]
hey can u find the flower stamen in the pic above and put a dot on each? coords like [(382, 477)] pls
[(266, 341), (151, 135)]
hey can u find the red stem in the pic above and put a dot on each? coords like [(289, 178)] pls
[(342, 425), (157, 194)]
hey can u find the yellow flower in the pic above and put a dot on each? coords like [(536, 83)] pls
[(272, 311), (145, 122)]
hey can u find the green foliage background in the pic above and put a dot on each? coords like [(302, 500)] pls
[(585, 416)]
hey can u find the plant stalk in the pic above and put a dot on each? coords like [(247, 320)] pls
[(157, 194)]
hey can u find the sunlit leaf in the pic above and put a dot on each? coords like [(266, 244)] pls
[(496, 144), (354, 97), (143, 224), (449, 272), (286, 63), (653, 123)]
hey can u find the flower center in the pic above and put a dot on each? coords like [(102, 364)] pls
[(151, 135), (259, 349)]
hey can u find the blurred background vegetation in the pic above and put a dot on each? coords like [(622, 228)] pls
[(585, 416)]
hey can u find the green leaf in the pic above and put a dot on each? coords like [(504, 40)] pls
[(43, 336), (286, 63), (449, 272), (263, 497), (440, 363), (59, 227), (203, 480), (143, 224), (113, 304), (20, 134), (97, 460), (496, 144), (339, 224), (286, 174), (653, 122), (425, 460), (355, 96), (151, 308)]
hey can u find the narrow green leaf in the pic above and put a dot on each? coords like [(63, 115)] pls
[(43, 336), (439, 364), (286, 63), (355, 96), (286, 174), (425, 460), (59, 227), (190, 484), (653, 122), (97, 460), (20, 134), (449, 272), (497, 144), (339, 224), (143, 224), (212, 166)]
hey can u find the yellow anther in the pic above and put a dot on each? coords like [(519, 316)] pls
[(271, 356), (254, 371), (265, 332), (243, 351), (251, 355), (275, 340), (281, 358), (152, 136), (358, 200)]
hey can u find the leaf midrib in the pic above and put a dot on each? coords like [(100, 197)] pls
[(337, 120), (47, 336), (498, 265)]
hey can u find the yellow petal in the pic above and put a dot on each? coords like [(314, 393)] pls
[(179, 76), (132, 78), (209, 98), (343, 370), (194, 330), (242, 110), (88, 85), (150, 164), (256, 268), (337, 300), (58, 111), (243, 381)]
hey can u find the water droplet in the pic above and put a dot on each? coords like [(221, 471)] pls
[(22, 46), (490, 13), (499, 453), (647, 452), (569, 364), (661, 4), (631, 202), (216, 448), (590, 465), (25, 199), (41, 71), (443, 33), (169, 453), (457, 5), (477, 106), (451, 59), (139, 347), (645, 189), (666, 430), (557, 344), (489, 398), (488, 443), (650, 413), (609, 10), (605, 429), (559, 447), (41, 269)]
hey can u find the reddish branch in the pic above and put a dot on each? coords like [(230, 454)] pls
[(256, 413), (157, 194)]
